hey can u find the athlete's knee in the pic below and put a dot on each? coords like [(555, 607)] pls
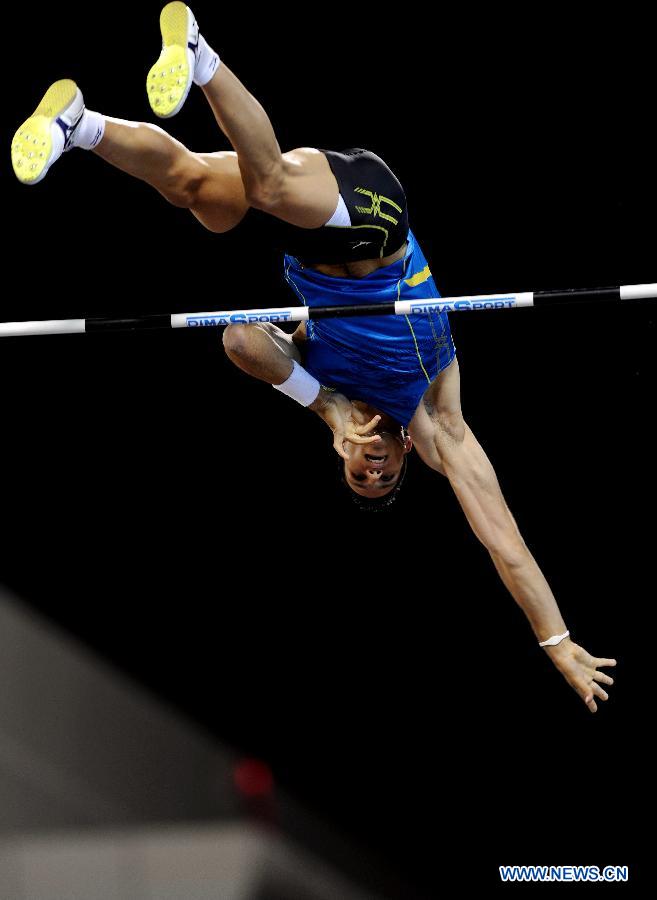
[(184, 179), (265, 191), (185, 183), (173, 169)]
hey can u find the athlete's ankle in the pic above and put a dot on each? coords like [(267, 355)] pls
[(89, 131), (207, 62)]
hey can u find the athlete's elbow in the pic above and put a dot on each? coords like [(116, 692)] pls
[(509, 551), (236, 340)]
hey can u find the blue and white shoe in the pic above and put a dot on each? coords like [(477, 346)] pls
[(170, 79), (49, 132)]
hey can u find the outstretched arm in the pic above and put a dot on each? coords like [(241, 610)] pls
[(447, 444)]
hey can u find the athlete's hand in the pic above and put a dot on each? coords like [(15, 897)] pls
[(337, 412), (580, 670)]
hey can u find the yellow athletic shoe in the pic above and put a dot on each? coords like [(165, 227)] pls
[(49, 131), (170, 79)]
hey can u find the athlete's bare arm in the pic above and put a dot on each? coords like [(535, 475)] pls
[(446, 443)]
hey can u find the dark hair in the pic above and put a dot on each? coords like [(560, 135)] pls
[(377, 504)]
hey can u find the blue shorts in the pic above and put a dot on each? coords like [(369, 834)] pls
[(386, 361)]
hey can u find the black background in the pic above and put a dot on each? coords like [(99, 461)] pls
[(188, 522)]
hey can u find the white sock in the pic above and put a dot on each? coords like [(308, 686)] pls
[(89, 133), (207, 62)]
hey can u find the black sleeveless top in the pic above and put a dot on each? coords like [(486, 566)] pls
[(377, 207)]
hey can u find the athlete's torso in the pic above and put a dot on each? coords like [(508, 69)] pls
[(358, 268), (387, 361), (366, 256)]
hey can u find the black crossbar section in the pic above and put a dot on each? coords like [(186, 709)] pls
[(342, 312), (542, 298), (132, 323)]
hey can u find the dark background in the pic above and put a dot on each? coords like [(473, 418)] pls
[(189, 523)]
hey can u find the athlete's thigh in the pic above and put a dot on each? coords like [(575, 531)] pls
[(219, 202), (307, 197), (309, 194)]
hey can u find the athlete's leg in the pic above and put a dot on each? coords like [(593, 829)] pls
[(208, 184), (299, 186), (262, 350)]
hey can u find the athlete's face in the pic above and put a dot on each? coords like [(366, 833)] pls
[(372, 470)]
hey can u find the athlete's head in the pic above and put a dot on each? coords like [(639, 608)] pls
[(375, 471)]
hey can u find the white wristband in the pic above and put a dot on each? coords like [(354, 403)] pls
[(300, 385), (554, 640)]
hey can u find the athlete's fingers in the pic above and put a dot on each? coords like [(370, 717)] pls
[(602, 677), (603, 662), (338, 446), (599, 692), (590, 702), (361, 439), (361, 429)]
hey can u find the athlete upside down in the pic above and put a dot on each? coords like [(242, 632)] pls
[(383, 384)]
